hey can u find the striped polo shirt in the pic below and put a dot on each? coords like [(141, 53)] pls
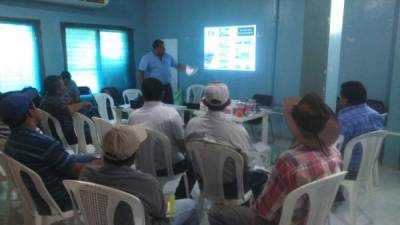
[(48, 158)]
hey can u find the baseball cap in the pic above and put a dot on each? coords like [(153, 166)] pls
[(14, 105), (216, 95), (122, 141)]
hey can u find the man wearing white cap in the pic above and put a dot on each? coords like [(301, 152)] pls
[(217, 126), (120, 145)]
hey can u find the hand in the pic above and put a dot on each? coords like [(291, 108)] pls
[(97, 162), (289, 102), (87, 105)]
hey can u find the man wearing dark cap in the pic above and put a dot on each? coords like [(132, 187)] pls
[(43, 154)]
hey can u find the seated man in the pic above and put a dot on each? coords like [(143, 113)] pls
[(43, 154), (54, 104), (72, 94), (216, 124), (157, 116), (312, 157), (120, 145), (355, 119)]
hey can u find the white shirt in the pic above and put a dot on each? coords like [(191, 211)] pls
[(218, 126), (165, 119)]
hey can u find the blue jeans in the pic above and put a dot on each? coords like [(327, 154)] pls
[(185, 213)]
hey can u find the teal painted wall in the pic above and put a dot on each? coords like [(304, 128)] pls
[(127, 13), (185, 20)]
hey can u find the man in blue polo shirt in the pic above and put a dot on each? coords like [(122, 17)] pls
[(158, 64), (356, 118), (43, 154)]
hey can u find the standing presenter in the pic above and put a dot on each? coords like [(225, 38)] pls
[(157, 64)]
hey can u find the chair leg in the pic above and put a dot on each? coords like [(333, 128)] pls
[(185, 179), (352, 206), (200, 208), (376, 174)]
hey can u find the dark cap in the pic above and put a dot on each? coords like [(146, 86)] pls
[(15, 105)]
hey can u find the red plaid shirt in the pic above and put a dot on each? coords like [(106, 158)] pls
[(293, 169)]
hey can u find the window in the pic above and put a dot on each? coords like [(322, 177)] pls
[(97, 57), (19, 55)]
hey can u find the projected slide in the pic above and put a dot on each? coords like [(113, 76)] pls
[(230, 48)]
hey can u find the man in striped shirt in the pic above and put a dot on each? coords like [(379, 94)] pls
[(43, 154), (312, 157)]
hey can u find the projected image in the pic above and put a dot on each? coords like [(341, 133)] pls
[(230, 48)]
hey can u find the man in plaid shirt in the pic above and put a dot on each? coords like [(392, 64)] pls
[(355, 119), (313, 157)]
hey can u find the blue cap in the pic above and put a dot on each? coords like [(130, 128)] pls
[(15, 105)]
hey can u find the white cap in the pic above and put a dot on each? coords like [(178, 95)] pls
[(216, 94), (121, 142)]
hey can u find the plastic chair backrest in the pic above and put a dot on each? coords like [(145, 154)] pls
[(16, 169), (101, 100), (339, 142), (194, 93), (98, 203), (130, 95), (114, 93), (79, 120), (102, 127), (377, 105), (45, 119), (5, 170), (371, 145), (321, 194), (155, 142), (84, 90), (208, 160)]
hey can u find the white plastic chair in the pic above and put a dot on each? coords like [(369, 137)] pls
[(130, 95), (208, 160), (101, 100), (79, 120), (56, 214), (145, 161), (45, 119), (194, 93), (6, 173), (339, 142), (102, 127), (98, 203), (321, 194), (371, 144)]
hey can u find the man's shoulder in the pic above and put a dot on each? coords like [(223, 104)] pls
[(148, 55)]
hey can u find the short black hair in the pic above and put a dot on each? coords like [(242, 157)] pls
[(152, 89), (65, 75), (157, 43), (51, 85), (354, 92)]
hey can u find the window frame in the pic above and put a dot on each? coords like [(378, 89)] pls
[(35, 23), (129, 31)]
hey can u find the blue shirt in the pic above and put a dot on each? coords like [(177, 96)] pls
[(47, 157), (355, 121), (158, 68)]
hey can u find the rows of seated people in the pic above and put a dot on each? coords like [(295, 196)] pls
[(312, 123)]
